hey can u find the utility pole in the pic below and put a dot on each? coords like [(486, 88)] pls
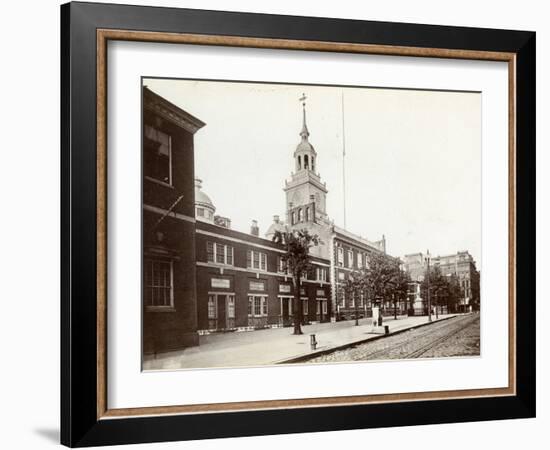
[(344, 158), (428, 274)]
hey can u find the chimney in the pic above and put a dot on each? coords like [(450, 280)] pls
[(254, 229)]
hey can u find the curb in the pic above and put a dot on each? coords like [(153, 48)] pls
[(315, 354)]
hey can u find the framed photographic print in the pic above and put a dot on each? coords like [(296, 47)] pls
[(276, 224)]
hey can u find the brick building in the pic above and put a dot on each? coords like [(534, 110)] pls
[(241, 282), (168, 221), (460, 264)]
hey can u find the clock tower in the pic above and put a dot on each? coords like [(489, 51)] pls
[(305, 193)]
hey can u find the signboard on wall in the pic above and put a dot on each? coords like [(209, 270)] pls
[(222, 283), (257, 286), (284, 288)]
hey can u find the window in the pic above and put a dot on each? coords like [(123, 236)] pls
[(299, 162), (304, 275), (212, 307), (157, 154), (313, 163), (256, 260), (321, 274), (158, 283), (293, 218), (307, 214), (200, 212), (305, 307), (352, 300), (341, 276), (257, 305), (342, 299), (360, 260), (361, 300), (219, 253), (306, 162), (350, 258), (300, 215), (324, 307), (282, 266), (340, 257), (230, 306)]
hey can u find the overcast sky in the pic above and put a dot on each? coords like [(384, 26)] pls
[(413, 158)]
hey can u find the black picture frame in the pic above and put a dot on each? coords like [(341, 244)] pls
[(80, 425)]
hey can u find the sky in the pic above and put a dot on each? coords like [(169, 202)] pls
[(412, 162)]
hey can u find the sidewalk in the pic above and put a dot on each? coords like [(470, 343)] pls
[(272, 346)]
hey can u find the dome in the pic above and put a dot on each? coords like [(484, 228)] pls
[(204, 208), (305, 146)]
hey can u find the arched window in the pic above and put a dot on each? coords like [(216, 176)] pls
[(299, 163), (313, 163), (293, 218), (300, 215), (307, 214), (306, 164)]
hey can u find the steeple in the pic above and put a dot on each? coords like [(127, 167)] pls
[(305, 192), (304, 155), (304, 133)]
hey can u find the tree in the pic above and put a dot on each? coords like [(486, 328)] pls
[(381, 276), (400, 286), (442, 287), (454, 293), (353, 287), (297, 261)]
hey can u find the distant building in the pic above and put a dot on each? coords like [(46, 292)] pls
[(460, 264)]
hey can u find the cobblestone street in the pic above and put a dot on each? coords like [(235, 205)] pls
[(457, 336)]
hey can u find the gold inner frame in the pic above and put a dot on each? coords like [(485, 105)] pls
[(104, 35)]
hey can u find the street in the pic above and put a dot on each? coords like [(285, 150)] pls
[(279, 345), (457, 336)]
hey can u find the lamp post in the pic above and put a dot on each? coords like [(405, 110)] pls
[(427, 260)]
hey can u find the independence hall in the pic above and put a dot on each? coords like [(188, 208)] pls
[(201, 276)]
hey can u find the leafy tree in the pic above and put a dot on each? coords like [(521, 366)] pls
[(353, 287), (454, 293), (381, 276), (400, 287), (298, 262), (436, 283)]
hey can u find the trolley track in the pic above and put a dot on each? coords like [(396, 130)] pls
[(414, 343)]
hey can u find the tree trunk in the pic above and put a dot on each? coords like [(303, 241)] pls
[(297, 306)]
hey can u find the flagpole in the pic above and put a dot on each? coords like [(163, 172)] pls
[(344, 158)]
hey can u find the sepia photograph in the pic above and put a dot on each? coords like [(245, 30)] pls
[(308, 224)]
